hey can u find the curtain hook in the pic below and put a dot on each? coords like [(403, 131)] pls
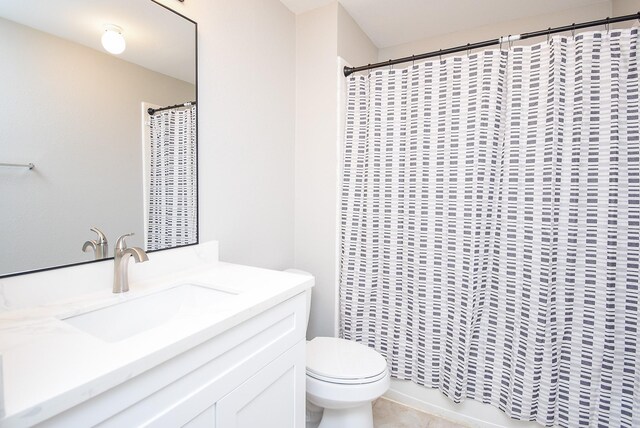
[(390, 65), (413, 60), (440, 55), (606, 25), (468, 49), (500, 44), (510, 42), (573, 30), (548, 35)]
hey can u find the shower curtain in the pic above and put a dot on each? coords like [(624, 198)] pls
[(490, 226), (173, 193)]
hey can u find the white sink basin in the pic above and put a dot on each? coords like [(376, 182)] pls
[(122, 320)]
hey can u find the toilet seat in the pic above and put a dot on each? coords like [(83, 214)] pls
[(341, 381), (341, 361)]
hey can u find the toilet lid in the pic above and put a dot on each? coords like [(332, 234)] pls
[(343, 361)]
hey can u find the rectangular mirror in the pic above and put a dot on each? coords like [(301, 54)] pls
[(80, 115)]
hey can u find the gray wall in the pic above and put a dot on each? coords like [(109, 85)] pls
[(76, 114)]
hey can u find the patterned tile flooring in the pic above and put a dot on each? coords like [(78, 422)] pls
[(389, 414)]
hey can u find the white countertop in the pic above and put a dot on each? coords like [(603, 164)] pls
[(50, 366)]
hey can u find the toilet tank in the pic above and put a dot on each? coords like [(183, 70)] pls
[(305, 273)]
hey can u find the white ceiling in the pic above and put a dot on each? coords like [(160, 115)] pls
[(393, 22), (156, 38)]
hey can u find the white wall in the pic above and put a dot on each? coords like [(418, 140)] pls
[(625, 7), (316, 160), (321, 36), (246, 115), (60, 103), (518, 26), (354, 46)]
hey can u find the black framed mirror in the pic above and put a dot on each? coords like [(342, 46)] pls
[(80, 115)]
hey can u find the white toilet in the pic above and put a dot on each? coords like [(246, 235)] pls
[(343, 377)]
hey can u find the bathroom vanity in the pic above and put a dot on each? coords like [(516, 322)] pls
[(195, 342), (199, 344)]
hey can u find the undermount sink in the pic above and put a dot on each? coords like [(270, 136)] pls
[(122, 320)]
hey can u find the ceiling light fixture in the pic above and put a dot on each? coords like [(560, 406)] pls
[(112, 39)]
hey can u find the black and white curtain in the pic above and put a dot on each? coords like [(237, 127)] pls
[(490, 226), (173, 179)]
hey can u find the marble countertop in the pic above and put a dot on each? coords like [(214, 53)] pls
[(49, 366)]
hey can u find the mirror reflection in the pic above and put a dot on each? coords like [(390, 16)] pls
[(111, 137)]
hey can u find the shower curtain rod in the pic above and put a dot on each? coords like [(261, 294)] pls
[(154, 110), (504, 39)]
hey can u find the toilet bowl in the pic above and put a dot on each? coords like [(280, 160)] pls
[(343, 378)]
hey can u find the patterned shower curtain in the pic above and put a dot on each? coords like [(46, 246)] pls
[(490, 227), (173, 190)]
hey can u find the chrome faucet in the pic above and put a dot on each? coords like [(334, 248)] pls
[(100, 246), (121, 262)]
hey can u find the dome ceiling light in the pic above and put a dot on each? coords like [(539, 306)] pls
[(113, 40)]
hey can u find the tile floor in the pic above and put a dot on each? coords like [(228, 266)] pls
[(389, 414)]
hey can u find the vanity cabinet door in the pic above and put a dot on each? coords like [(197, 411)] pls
[(273, 398)]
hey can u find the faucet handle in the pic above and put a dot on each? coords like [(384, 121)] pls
[(121, 244), (102, 238)]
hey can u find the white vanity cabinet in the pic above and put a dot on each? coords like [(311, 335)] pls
[(251, 375), (270, 398)]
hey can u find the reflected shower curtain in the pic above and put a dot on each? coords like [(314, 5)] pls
[(173, 193), (490, 227)]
